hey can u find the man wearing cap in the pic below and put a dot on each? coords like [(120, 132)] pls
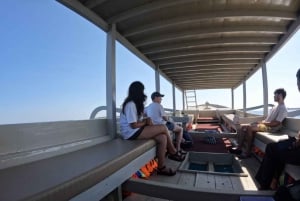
[(157, 113)]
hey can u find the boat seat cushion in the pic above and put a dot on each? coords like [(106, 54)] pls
[(267, 137)]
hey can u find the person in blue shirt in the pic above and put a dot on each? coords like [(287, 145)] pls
[(134, 127)]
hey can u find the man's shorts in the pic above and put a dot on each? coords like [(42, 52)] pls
[(170, 126)]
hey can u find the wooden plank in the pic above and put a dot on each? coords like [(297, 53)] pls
[(242, 183), (205, 181), (223, 182), (182, 192), (187, 179), (250, 167)]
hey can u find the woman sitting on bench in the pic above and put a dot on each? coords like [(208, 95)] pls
[(134, 126)]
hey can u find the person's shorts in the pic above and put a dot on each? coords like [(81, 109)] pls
[(170, 126), (136, 134)]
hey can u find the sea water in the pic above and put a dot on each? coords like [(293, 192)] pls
[(261, 112)]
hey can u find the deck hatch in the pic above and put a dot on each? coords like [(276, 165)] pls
[(212, 163)]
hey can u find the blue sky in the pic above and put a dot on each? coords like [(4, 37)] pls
[(53, 67)]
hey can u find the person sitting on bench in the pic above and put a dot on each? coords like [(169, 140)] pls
[(134, 127), (157, 113), (276, 156), (272, 123)]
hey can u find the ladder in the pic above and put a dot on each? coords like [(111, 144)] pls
[(190, 99)]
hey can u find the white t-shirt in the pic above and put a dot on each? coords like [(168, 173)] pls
[(155, 111), (278, 113), (129, 116)]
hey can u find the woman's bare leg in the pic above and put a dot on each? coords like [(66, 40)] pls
[(150, 132), (179, 134), (161, 149), (251, 130)]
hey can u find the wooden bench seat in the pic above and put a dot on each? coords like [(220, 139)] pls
[(263, 138), (64, 176), (66, 160), (233, 123), (290, 128)]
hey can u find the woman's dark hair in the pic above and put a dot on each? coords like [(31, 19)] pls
[(136, 94), (280, 91)]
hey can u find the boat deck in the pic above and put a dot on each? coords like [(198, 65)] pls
[(191, 185)]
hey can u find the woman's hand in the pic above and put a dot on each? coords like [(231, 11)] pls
[(148, 121)]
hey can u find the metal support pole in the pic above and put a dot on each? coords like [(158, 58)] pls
[(244, 98), (111, 80), (174, 99), (232, 98), (265, 88), (157, 81)]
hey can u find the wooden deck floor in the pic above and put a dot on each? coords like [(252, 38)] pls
[(189, 186)]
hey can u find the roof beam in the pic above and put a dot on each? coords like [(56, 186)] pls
[(209, 51), (145, 8), (210, 42), (199, 71), (207, 31), (190, 59), (247, 14), (210, 64), (214, 74), (205, 82), (206, 86), (93, 3)]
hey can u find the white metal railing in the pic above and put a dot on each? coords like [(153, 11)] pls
[(118, 110), (294, 113)]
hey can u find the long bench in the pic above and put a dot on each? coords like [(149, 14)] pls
[(73, 160), (234, 121)]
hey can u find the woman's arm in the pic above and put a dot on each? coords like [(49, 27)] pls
[(138, 124), (144, 122)]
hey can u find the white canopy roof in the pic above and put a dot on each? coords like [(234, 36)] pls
[(198, 44)]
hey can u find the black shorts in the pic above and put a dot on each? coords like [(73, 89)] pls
[(136, 134), (170, 126)]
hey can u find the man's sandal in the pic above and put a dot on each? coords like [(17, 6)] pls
[(166, 171), (176, 157)]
